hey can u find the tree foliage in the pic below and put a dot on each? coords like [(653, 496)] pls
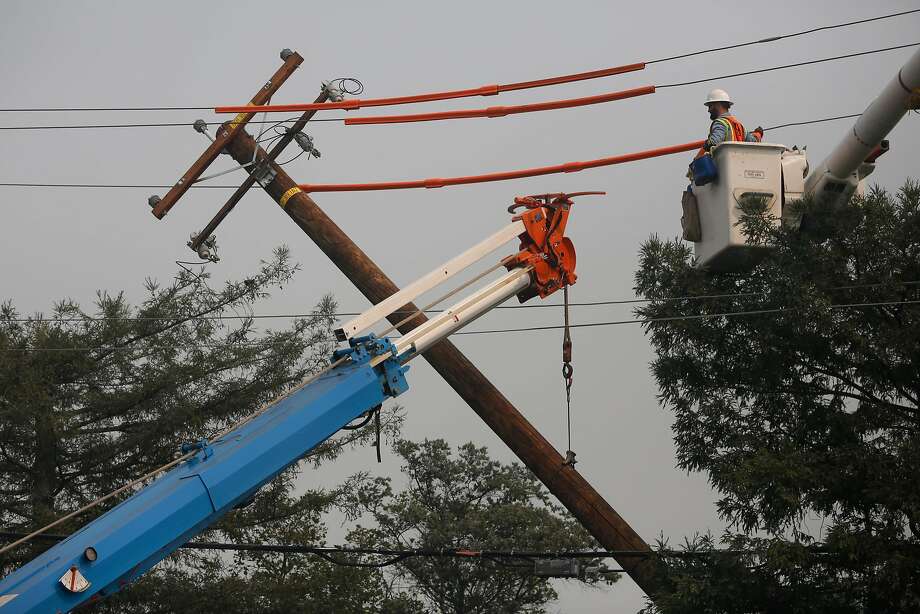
[(92, 400), (796, 387), (466, 501)]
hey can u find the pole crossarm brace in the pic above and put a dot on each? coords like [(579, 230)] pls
[(566, 483), (272, 155), (291, 61)]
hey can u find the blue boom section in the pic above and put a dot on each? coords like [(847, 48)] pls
[(132, 537)]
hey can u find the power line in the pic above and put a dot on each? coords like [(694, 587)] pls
[(439, 552), (660, 60), (813, 121), (99, 109), (773, 39), (351, 314), (340, 119), (785, 66), (110, 185), (430, 552), (161, 124), (233, 187), (701, 316)]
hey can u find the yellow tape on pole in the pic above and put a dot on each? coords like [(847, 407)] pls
[(287, 196)]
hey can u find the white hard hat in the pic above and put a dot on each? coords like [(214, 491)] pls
[(718, 95)]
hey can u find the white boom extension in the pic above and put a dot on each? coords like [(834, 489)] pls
[(427, 282), (837, 177), (464, 312)]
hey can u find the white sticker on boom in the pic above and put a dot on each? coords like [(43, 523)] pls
[(754, 174), (74, 581), (5, 599)]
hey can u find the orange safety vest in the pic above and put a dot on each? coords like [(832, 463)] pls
[(734, 131)]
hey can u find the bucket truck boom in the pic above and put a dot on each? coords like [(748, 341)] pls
[(837, 177)]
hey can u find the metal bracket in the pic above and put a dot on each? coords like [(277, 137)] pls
[(264, 174), (333, 93), (202, 126), (305, 141), (202, 444), (207, 249), (377, 352), (363, 349)]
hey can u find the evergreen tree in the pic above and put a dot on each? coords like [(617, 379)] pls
[(467, 501), (796, 387), (91, 400)]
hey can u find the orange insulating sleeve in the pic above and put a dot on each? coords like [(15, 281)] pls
[(348, 105), (485, 90), (581, 76), (568, 167), (502, 111)]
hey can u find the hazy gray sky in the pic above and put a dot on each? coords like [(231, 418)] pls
[(67, 242)]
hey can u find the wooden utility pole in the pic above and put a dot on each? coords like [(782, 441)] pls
[(575, 493)]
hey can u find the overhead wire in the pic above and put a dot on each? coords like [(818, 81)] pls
[(485, 90), (785, 66), (20, 184), (97, 109), (341, 314), (161, 124), (233, 187), (503, 111), (773, 39), (814, 121), (701, 316), (440, 182), (491, 90), (583, 75), (441, 552), (495, 111)]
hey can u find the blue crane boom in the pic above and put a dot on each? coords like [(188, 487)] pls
[(122, 544), (135, 535)]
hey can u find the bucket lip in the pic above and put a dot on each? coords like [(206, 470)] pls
[(746, 145)]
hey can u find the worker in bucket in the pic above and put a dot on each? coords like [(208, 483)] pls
[(724, 127)]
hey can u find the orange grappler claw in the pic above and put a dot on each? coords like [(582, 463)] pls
[(544, 246)]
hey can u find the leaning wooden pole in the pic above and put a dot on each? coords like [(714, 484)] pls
[(572, 490)]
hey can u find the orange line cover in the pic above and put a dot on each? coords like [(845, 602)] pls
[(502, 111), (485, 90), (569, 167)]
